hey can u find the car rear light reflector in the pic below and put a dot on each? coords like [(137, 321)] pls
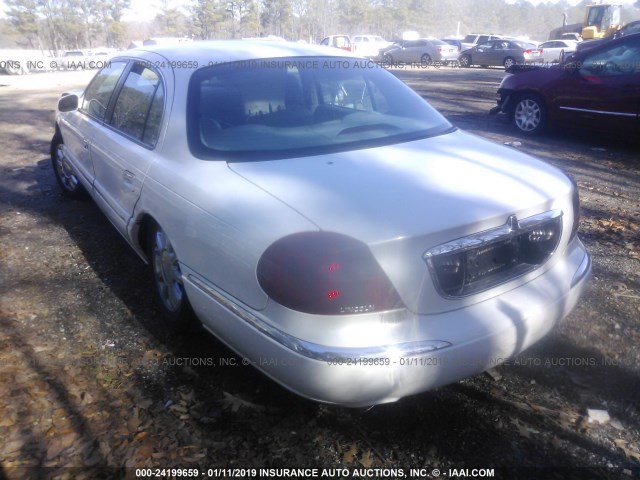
[(481, 261), (325, 273)]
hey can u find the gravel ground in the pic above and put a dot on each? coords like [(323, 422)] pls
[(93, 385)]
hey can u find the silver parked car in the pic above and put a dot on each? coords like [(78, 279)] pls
[(503, 52), (423, 51), (320, 217), (551, 51)]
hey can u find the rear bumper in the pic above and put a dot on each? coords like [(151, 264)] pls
[(468, 341)]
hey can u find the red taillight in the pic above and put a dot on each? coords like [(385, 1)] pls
[(325, 273), (333, 294)]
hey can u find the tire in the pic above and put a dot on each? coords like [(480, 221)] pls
[(425, 60), (509, 61), (167, 281), (62, 169), (529, 114), (387, 59), (465, 61)]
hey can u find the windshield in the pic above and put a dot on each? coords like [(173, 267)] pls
[(285, 107)]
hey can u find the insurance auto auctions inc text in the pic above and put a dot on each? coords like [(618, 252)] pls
[(391, 473)]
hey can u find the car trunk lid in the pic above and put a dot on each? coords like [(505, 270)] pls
[(404, 199)]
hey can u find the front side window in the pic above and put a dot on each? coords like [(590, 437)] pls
[(631, 28), (285, 107), (98, 94), (621, 59), (138, 109)]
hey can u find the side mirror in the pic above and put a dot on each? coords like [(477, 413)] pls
[(68, 103)]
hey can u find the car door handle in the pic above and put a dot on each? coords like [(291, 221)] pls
[(129, 180)]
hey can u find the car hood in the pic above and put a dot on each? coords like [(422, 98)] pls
[(535, 76), (451, 184)]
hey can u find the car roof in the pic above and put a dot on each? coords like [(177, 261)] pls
[(222, 51)]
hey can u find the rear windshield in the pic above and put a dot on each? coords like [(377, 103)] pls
[(287, 107)]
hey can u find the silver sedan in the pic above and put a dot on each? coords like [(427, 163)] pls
[(424, 51), (320, 217), (553, 49)]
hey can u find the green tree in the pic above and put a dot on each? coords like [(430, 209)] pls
[(353, 15), (113, 10), (71, 25), (276, 17), (172, 22), (51, 11), (206, 17), (23, 18), (250, 18)]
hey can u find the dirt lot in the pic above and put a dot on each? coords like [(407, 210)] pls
[(92, 383)]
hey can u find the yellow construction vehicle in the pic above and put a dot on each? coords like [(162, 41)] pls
[(600, 21)]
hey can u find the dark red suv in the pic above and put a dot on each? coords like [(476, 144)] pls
[(598, 88)]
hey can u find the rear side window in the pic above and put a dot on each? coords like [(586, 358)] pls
[(138, 109), (98, 93)]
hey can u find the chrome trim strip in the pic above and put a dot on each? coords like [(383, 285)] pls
[(513, 227), (315, 351), (601, 112)]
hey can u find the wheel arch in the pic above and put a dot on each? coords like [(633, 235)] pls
[(57, 134), (139, 232)]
